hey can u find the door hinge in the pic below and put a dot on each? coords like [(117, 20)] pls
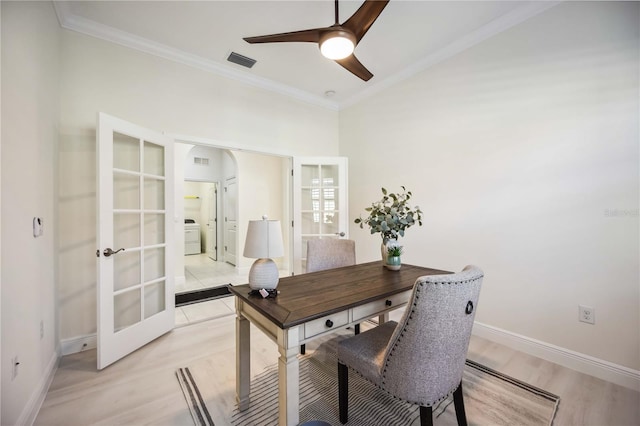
[(225, 248), (292, 224)]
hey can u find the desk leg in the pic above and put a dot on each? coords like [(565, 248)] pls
[(243, 359), (383, 318), (288, 380)]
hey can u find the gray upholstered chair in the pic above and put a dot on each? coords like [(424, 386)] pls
[(329, 253), (420, 359)]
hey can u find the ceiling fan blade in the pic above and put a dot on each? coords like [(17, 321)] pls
[(311, 36), (365, 16), (353, 65)]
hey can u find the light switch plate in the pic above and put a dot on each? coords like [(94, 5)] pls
[(37, 227)]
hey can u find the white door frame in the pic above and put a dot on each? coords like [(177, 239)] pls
[(236, 146)]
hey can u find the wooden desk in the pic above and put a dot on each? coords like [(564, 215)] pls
[(309, 306)]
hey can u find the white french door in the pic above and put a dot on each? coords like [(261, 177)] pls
[(212, 222), (320, 203), (230, 220), (135, 237)]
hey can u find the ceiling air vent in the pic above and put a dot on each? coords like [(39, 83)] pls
[(201, 161), (237, 58)]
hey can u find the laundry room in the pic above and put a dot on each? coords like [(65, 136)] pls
[(199, 214), (204, 168)]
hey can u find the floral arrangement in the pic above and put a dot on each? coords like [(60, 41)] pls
[(392, 215)]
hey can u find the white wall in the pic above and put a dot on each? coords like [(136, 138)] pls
[(211, 172), (523, 153), (261, 191), (30, 55), (165, 96)]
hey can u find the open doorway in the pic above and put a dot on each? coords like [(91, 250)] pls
[(220, 190)]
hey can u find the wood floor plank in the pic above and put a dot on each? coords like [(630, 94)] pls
[(142, 388)]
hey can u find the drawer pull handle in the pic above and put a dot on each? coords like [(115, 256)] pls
[(329, 323), (388, 302)]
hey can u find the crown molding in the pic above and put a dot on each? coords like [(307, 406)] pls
[(498, 25), (89, 27)]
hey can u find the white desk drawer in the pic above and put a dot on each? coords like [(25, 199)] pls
[(330, 322), (374, 308)]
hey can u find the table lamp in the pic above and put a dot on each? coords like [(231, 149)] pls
[(264, 241)]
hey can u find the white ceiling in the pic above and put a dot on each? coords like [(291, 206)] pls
[(408, 37)]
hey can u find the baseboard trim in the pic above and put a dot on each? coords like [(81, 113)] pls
[(31, 410), (596, 367), (78, 344)]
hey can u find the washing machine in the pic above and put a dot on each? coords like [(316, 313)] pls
[(192, 237)]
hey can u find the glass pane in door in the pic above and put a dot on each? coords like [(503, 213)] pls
[(126, 191), (126, 309), (153, 159), (126, 230), (330, 175), (154, 228), (153, 264), (126, 269), (310, 175), (153, 194), (153, 299), (126, 152)]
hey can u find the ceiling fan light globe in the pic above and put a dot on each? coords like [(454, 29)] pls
[(337, 45)]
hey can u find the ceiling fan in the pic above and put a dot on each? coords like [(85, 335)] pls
[(336, 42)]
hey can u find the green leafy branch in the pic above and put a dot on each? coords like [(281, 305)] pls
[(392, 215)]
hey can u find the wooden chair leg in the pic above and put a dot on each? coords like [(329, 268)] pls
[(303, 349), (357, 328), (343, 392), (426, 416), (458, 402)]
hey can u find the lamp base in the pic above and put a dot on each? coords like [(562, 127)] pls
[(263, 274)]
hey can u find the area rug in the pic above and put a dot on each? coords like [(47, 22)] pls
[(491, 398)]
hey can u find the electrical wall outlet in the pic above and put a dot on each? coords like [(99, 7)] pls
[(586, 314)]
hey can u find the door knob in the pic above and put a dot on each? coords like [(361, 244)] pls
[(108, 251), (340, 234)]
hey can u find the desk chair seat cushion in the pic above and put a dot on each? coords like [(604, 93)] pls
[(367, 351), (424, 357)]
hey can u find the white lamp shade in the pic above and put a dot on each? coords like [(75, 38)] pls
[(264, 239)]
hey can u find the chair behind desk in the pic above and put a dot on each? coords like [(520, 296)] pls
[(329, 253)]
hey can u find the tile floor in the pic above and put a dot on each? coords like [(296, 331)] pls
[(202, 272)]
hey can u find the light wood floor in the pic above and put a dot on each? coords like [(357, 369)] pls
[(142, 388)]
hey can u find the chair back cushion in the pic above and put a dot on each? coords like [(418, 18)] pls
[(329, 253), (425, 357)]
